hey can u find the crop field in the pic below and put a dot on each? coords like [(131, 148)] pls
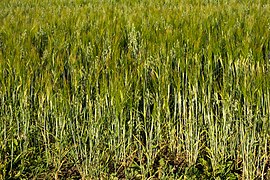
[(139, 89)]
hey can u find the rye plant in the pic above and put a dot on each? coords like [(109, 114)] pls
[(134, 89)]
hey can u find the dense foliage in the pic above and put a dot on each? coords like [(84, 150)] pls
[(134, 89)]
